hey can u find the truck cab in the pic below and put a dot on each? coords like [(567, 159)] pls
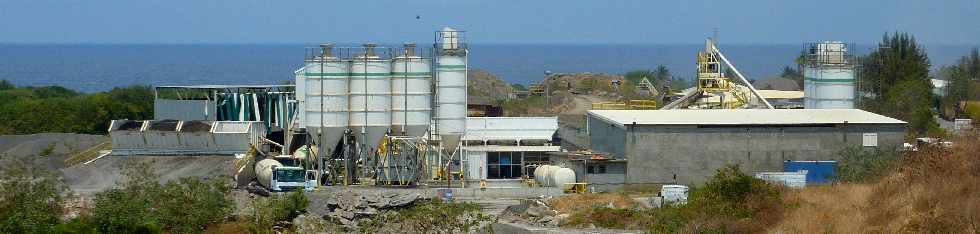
[(288, 178)]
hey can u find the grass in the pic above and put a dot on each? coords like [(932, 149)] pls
[(930, 191)]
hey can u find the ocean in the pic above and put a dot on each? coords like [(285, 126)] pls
[(92, 68)]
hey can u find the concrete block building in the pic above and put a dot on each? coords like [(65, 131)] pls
[(688, 146)]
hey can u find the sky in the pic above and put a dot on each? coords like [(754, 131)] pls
[(945, 22)]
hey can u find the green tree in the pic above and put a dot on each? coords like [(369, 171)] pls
[(32, 199), (518, 87), (896, 75)]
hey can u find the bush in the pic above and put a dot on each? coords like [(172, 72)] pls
[(860, 165), (31, 199), (143, 205), (264, 213)]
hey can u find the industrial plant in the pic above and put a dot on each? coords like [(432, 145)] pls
[(396, 117)]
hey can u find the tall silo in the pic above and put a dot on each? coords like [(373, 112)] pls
[(370, 96), (828, 76), (324, 98), (411, 92), (451, 68)]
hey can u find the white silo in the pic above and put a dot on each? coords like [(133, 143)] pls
[(323, 100), (411, 92), (450, 87), (370, 97), (828, 75)]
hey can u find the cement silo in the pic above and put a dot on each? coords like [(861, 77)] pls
[(324, 98), (828, 76), (450, 85), (370, 96), (411, 92)]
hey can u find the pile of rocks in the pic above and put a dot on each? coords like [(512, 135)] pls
[(350, 208), (535, 212)]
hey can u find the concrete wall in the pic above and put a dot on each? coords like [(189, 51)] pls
[(606, 137), (656, 154)]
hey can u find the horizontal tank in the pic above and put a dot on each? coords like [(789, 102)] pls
[(370, 97), (263, 171), (541, 174), (562, 176), (411, 92), (554, 176)]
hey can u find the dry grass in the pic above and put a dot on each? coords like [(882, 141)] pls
[(933, 191), (570, 204), (826, 209)]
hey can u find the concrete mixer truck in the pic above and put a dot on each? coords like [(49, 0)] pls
[(276, 176)]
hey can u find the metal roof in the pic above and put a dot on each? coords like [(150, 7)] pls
[(741, 117), (513, 148), (221, 86), (510, 128)]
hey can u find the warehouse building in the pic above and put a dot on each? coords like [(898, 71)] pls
[(687, 146)]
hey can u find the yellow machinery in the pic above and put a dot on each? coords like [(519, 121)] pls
[(714, 90), (580, 188), (627, 105)]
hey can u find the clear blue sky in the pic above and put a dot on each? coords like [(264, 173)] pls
[(500, 21)]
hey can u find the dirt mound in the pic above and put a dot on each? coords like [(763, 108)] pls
[(45, 150), (195, 126), (486, 87), (130, 125), (106, 172), (168, 125)]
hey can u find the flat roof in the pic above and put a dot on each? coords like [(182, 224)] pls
[(221, 86), (510, 128), (742, 117)]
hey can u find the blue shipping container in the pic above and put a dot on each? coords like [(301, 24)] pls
[(818, 172)]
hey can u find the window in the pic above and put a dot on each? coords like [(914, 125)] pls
[(596, 169), (869, 140), (504, 165)]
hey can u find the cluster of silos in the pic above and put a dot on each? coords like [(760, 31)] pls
[(370, 91), (828, 76)]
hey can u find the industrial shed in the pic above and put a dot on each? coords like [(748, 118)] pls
[(687, 146)]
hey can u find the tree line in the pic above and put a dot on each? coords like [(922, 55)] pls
[(29, 110)]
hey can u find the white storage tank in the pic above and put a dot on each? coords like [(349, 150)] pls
[(554, 176), (541, 174), (450, 87), (263, 170), (370, 96), (411, 91), (322, 92), (563, 176), (828, 77)]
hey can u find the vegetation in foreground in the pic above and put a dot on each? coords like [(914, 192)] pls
[(729, 202)]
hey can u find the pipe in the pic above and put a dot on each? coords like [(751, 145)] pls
[(739, 74)]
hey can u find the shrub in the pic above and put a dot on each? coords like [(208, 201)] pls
[(31, 199), (860, 165), (143, 205), (264, 213)]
